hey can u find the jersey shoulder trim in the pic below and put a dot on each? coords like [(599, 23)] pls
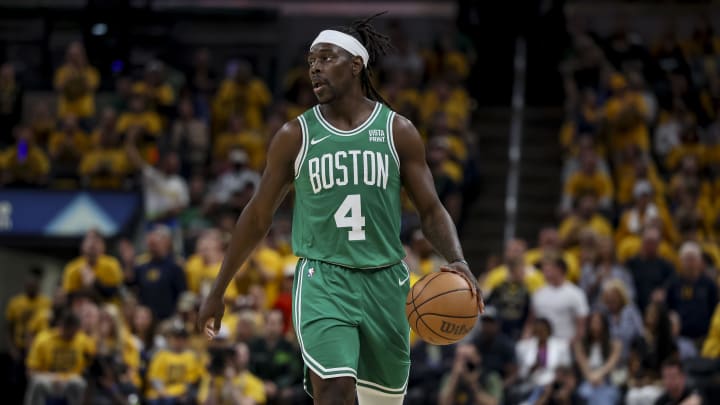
[(303, 147)]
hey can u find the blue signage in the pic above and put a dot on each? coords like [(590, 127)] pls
[(52, 213)]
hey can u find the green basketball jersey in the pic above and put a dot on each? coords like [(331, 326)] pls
[(347, 192)]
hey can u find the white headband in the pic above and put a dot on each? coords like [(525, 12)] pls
[(344, 41)]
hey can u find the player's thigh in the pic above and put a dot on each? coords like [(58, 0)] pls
[(332, 391), (325, 317), (384, 363)]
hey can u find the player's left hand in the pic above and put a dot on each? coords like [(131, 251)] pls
[(463, 270)]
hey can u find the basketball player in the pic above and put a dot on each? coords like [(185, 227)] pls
[(347, 158)]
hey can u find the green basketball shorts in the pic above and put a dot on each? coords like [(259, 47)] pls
[(351, 323)]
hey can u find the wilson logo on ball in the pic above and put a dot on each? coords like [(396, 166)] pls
[(453, 328)]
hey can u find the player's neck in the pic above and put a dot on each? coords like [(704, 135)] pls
[(348, 109)]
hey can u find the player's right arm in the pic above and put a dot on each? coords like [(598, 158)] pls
[(255, 220)]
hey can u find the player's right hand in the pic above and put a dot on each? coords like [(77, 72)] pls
[(210, 315)]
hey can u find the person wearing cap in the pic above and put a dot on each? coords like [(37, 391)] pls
[(643, 211), (692, 294), (173, 373), (625, 113), (236, 178)]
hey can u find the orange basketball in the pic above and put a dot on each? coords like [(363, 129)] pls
[(441, 309)]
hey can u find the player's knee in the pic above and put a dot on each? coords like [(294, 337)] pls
[(333, 391), (371, 397)]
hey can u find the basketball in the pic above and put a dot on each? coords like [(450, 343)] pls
[(441, 309)]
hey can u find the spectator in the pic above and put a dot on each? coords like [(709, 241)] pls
[(605, 268), (497, 350), (675, 386), (11, 97), (586, 216), (624, 319), (114, 374), (561, 302), (238, 136), (511, 298), (597, 355), (142, 326), (655, 345), (429, 364), (202, 78), (650, 272), (589, 180), (158, 93), (625, 113), (549, 244), (76, 81), (275, 360), (586, 146), (67, 147), (469, 381), (159, 276), (671, 125), (194, 219), (235, 180), (106, 166), (203, 267), (693, 295), (56, 362), (643, 213), (232, 383), (447, 175), (241, 93), (139, 118), (539, 357), (166, 193), (173, 374), (515, 266), (20, 311), (189, 137), (93, 271), (429, 260), (24, 164)]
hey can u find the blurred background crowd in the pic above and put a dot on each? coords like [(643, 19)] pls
[(616, 301)]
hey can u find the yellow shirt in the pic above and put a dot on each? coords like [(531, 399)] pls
[(252, 142), (107, 271), (161, 95), (265, 268), (711, 346), (535, 256), (36, 164), (200, 276), (598, 184), (20, 311), (678, 153), (250, 386), (631, 245), (632, 223), (175, 371), (533, 278), (638, 136), (571, 226), (105, 168), (456, 107), (51, 353), (150, 121), (80, 142), (77, 90), (249, 100)]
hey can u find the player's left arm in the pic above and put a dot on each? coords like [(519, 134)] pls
[(437, 225)]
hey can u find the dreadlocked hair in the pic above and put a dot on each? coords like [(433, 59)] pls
[(377, 44)]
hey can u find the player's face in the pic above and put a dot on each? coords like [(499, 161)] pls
[(331, 71)]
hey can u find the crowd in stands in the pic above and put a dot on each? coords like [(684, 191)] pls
[(619, 301), (120, 327)]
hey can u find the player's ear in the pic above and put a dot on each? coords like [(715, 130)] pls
[(357, 65)]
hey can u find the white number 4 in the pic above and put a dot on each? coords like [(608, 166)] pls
[(349, 215)]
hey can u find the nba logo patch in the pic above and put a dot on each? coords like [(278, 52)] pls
[(311, 272)]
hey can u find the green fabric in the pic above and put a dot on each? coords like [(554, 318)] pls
[(347, 192), (351, 323)]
